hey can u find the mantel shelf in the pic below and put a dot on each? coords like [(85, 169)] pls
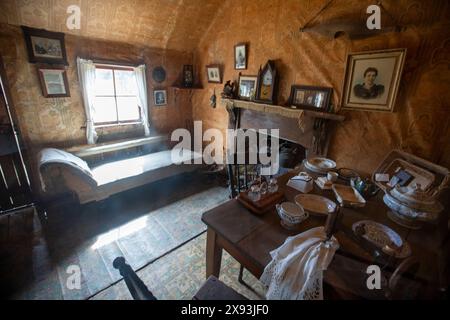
[(186, 88), (283, 111)]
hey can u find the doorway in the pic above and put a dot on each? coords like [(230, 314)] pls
[(15, 191)]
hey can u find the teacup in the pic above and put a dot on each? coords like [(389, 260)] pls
[(332, 176)]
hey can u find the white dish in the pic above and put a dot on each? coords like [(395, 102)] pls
[(291, 214), (320, 165), (348, 196), (384, 238), (324, 186), (315, 205)]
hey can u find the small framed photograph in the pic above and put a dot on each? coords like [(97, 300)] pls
[(240, 56), (188, 76), (310, 97), (247, 87), (54, 82), (213, 74), (45, 46), (372, 79), (160, 97)]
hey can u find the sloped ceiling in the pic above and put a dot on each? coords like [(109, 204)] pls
[(171, 24)]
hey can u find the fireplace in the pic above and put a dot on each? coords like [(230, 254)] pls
[(302, 133)]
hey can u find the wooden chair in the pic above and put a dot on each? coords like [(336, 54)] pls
[(212, 289)]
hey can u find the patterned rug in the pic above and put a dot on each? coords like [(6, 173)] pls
[(141, 241), (179, 274)]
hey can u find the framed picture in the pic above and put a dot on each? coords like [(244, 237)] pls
[(247, 87), (54, 82), (240, 56), (310, 97), (45, 46), (267, 83), (372, 79), (160, 97), (188, 76), (213, 74)]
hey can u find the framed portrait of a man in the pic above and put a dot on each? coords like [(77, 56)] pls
[(240, 56), (372, 79), (160, 97)]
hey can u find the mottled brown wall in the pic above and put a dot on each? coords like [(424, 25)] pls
[(58, 122), (168, 24), (420, 124)]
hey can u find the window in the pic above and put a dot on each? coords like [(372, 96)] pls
[(115, 96)]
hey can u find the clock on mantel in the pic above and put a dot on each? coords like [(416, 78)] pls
[(267, 84)]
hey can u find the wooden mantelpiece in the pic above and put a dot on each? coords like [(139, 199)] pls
[(284, 111), (309, 128)]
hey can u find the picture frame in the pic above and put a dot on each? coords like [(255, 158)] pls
[(53, 81), (372, 80), (267, 83), (213, 73), (240, 56), (247, 86), (45, 46), (310, 97), (160, 97), (188, 76)]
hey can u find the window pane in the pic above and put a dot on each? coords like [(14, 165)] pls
[(105, 109), (125, 83), (104, 84), (128, 108)]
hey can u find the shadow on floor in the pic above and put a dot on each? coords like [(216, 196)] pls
[(39, 252)]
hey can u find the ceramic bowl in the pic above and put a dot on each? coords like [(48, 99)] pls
[(291, 214)]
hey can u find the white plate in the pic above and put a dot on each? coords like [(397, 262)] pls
[(381, 236), (315, 205), (320, 165)]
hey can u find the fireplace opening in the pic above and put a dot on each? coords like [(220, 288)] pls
[(242, 175)]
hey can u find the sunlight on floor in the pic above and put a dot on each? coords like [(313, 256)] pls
[(120, 232)]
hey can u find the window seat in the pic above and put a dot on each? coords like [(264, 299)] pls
[(87, 150), (63, 172)]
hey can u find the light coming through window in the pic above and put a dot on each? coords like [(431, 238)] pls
[(115, 95)]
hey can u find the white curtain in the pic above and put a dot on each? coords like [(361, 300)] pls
[(141, 82), (86, 76)]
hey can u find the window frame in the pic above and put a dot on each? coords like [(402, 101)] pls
[(118, 122)]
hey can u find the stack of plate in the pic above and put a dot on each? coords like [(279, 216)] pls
[(320, 165)]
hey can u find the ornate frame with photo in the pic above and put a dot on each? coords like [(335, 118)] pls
[(50, 44), (213, 73), (46, 86), (240, 65), (159, 103), (251, 95), (310, 93), (372, 79)]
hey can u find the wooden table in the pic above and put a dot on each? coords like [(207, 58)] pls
[(249, 238)]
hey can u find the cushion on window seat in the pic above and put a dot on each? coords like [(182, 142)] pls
[(51, 156), (122, 169)]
